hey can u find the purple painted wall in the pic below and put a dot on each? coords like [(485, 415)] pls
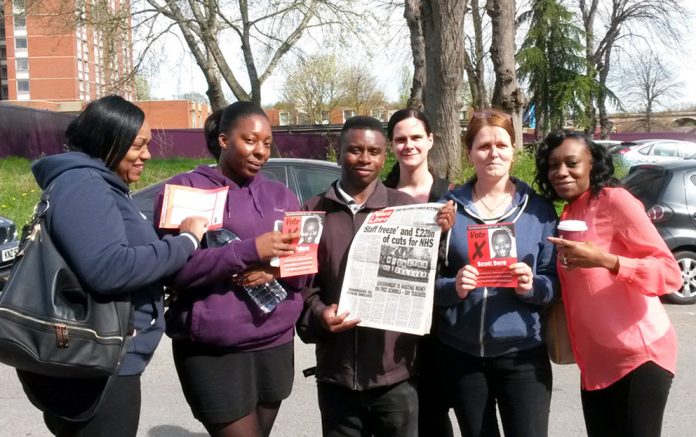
[(190, 143), (31, 133)]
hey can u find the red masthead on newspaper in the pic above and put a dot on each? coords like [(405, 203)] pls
[(380, 216), (492, 250)]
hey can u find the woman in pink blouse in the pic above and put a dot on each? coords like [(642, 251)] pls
[(622, 338)]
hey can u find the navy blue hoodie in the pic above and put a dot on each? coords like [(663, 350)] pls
[(495, 321), (109, 244)]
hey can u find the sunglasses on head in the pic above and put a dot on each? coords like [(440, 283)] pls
[(486, 114)]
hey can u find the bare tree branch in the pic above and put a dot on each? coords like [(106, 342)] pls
[(665, 18)]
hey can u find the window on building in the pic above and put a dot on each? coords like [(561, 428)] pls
[(347, 113), (18, 5), (4, 93), (463, 115), (284, 118), (21, 42), (3, 53), (3, 73), (20, 21), (2, 32), (378, 114), (22, 64), (325, 117), (22, 86)]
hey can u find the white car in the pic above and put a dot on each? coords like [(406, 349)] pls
[(649, 151), (607, 143)]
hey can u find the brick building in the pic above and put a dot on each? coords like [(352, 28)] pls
[(289, 116), (174, 114), (46, 54)]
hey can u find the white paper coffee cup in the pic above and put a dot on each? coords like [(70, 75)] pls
[(575, 230)]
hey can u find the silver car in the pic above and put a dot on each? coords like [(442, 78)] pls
[(653, 151), (304, 177), (8, 247)]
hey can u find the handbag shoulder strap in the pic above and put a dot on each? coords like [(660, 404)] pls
[(40, 209), (43, 204)]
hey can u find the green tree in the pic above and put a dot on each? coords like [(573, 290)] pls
[(552, 62), (142, 88), (313, 86), (360, 91), (194, 96)]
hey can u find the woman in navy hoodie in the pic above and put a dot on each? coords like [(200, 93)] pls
[(235, 359), (113, 250), (490, 346)]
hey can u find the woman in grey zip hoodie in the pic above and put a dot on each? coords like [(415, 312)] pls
[(490, 347)]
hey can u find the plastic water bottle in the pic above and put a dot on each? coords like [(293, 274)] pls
[(266, 296)]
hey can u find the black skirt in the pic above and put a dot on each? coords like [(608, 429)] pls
[(222, 386)]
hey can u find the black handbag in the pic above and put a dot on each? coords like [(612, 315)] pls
[(49, 324)]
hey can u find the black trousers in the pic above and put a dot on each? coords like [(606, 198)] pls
[(631, 407), (117, 416), (381, 412), (519, 383), (433, 411)]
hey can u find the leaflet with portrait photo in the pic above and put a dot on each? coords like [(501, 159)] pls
[(390, 275), (492, 250), (309, 224)]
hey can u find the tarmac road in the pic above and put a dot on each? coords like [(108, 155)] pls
[(166, 414)]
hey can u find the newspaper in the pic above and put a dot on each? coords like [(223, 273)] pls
[(390, 274)]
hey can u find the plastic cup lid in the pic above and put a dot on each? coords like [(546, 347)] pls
[(572, 226)]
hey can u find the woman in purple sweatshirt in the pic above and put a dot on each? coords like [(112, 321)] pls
[(233, 357)]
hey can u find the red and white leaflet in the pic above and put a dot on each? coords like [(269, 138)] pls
[(181, 201), (492, 249), (309, 224)]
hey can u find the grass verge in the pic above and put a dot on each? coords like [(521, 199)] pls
[(19, 191)]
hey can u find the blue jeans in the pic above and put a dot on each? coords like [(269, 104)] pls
[(381, 412), (519, 383)]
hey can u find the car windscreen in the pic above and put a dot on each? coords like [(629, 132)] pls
[(646, 184)]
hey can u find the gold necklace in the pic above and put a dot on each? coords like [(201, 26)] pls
[(496, 207)]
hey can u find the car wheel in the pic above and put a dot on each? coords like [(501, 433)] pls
[(687, 264)]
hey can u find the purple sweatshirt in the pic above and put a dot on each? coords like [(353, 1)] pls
[(209, 308)]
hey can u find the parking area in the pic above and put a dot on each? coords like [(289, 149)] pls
[(166, 414)]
